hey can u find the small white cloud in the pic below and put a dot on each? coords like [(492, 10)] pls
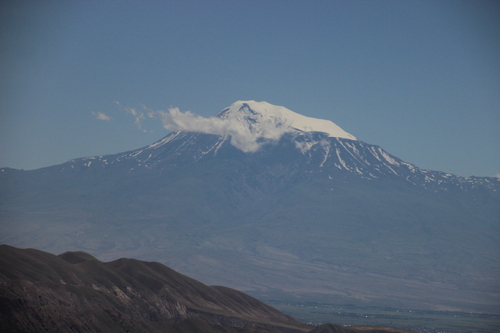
[(497, 175), (139, 116), (102, 116)]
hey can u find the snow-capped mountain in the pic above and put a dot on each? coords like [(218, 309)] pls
[(324, 148), (263, 199)]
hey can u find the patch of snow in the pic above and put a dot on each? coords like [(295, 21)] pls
[(326, 154), (136, 153), (392, 170), (165, 140), (353, 148), (340, 159), (375, 153), (215, 147), (388, 158), (220, 145), (355, 157), (409, 166)]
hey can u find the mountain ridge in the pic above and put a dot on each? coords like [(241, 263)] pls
[(76, 292)]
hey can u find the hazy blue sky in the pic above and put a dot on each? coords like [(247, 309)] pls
[(419, 78)]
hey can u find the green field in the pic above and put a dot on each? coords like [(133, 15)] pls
[(420, 320)]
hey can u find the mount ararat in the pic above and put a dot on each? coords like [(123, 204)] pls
[(273, 203)]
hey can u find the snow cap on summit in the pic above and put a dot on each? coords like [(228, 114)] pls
[(265, 117), (250, 124)]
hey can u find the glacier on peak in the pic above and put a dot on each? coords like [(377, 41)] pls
[(251, 124), (263, 116)]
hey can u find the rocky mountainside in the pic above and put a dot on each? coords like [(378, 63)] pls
[(75, 292), (273, 203)]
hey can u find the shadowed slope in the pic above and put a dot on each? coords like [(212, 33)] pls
[(42, 292)]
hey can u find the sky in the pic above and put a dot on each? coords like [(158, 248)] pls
[(421, 79)]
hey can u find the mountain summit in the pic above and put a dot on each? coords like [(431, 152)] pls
[(271, 121), (251, 125)]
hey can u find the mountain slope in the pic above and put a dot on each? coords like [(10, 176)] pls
[(308, 213), (77, 292), (74, 291)]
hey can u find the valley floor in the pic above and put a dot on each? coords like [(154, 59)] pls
[(420, 320)]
